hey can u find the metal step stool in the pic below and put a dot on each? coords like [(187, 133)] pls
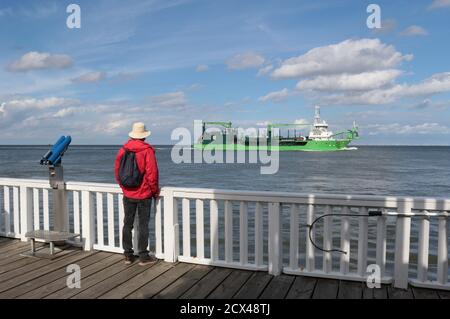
[(47, 236)]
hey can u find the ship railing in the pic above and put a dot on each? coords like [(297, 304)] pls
[(266, 231)]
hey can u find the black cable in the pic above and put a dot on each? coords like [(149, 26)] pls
[(370, 214)]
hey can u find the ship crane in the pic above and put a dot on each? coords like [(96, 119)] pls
[(226, 125), (223, 124)]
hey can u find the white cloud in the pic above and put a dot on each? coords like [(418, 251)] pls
[(349, 56), (202, 68), (342, 82), (437, 83), (387, 26), (301, 122), (114, 124), (355, 72), (90, 77), (401, 129), (32, 103), (248, 60), (436, 4), (170, 100), (414, 30), (276, 96), (265, 70), (37, 60)]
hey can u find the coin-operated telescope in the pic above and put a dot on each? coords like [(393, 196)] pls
[(60, 235), (52, 159)]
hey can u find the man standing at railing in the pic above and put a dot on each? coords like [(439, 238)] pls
[(136, 171)]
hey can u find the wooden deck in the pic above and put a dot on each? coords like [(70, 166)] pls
[(104, 275)]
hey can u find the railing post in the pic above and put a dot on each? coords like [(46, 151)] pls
[(275, 241), (171, 249), (402, 243), (87, 219), (26, 207)]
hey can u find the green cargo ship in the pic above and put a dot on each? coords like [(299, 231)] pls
[(319, 139)]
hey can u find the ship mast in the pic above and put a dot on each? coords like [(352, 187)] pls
[(317, 115)]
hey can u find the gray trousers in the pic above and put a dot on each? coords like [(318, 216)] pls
[(142, 207)]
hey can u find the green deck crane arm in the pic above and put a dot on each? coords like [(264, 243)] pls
[(224, 124)]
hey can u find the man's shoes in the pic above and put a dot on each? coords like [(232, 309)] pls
[(129, 259), (147, 260)]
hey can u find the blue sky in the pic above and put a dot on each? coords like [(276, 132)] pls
[(252, 62)]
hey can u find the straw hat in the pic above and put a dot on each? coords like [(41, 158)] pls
[(139, 131)]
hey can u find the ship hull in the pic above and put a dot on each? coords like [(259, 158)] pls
[(307, 146)]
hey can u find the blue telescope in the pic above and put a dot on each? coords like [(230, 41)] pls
[(53, 156)]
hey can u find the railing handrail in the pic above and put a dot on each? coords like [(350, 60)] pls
[(419, 202)]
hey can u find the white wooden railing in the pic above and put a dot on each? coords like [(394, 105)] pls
[(255, 230)]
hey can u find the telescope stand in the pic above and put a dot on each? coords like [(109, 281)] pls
[(60, 233)]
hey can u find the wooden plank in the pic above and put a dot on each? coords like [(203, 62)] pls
[(14, 255), (327, 240), (214, 230), (381, 293), (363, 230), (293, 242), (230, 285), (185, 282), (200, 231), (207, 284), (420, 293), (375, 293), (395, 293), (158, 229), (442, 262), (253, 287), (345, 242), (258, 234), (186, 227), (7, 210), (50, 277), (15, 267), (310, 264), (36, 208), (16, 219), (228, 231), (61, 283), (110, 208), (423, 249), (40, 268), (100, 236), (155, 286), (121, 218), (46, 210), (444, 294), (90, 280), (9, 244), (76, 212), (326, 289), (381, 244), (350, 290), (302, 288), (278, 287), (138, 281), (110, 283), (243, 233)]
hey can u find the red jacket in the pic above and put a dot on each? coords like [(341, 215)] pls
[(146, 161)]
